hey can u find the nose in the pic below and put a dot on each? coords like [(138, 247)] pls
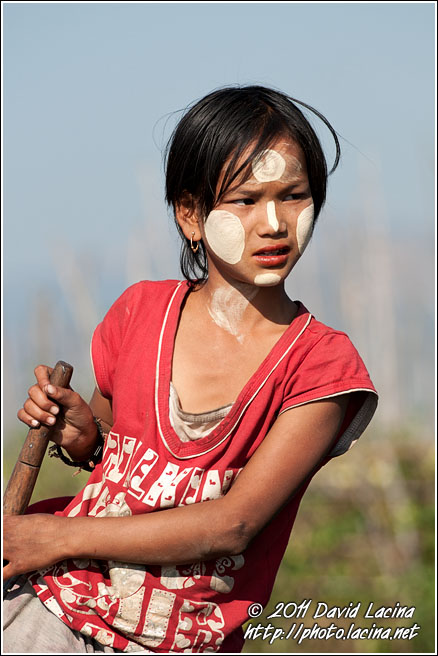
[(269, 223)]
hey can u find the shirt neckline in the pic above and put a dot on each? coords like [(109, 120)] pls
[(185, 450)]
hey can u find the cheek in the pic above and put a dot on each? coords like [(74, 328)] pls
[(225, 235), (304, 228)]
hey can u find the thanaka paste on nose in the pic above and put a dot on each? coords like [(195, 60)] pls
[(225, 235), (272, 218)]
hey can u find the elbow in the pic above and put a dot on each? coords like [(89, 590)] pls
[(240, 538), (231, 532), (234, 538)]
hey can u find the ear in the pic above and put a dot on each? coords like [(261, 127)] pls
[(187, 215)]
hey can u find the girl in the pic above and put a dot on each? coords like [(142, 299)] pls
[(220, 396)]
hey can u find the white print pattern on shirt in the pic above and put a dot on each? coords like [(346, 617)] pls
[(120, 455), (139, 473), (104, 637), (102, 502), (68, 580), (199, 627), (157, 490), (90, 491), (220, 580), (51, 602), (116, 507), (178, 578), (156, 483), (74, 595), (127, 590), (107, 638), (212, 486), (157, 618), (127, 579), (193, 486), (164, 488), (53, 605), (174, 578), (129, 612)]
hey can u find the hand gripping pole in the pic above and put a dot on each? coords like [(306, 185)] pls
[(22, 482)]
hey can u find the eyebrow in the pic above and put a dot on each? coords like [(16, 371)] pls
[(247, 188)]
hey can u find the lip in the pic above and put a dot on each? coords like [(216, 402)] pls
[(273, 247), (265, 256)]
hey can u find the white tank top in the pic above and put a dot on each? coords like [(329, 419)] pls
[(190, 426)]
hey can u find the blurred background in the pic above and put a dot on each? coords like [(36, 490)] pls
[(91, 92)]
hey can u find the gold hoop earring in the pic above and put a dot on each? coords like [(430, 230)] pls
[(191, 244)]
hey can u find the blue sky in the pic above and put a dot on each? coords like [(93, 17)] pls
[(89, 91), (87, 87)]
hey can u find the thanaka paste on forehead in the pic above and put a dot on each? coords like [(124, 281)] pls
[(267, 279), (269, 166), (304, 227), (272, 217), (272, 166), (225, 235)]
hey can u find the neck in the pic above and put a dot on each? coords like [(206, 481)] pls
[(241, 308)]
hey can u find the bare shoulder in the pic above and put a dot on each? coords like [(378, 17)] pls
[(293, 449), (304, 434)]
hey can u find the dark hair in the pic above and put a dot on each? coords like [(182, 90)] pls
[(220, 127)]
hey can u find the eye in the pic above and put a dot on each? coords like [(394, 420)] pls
[(242, 201), (293, 197)]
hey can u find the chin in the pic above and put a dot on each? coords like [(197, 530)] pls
[(267, 279)]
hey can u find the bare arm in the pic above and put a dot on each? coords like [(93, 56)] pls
[(293, 448), (102, 408)]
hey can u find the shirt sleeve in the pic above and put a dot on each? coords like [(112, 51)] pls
[(107, 340), (330, 368)]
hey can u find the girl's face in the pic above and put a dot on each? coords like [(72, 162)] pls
[(260, 227)]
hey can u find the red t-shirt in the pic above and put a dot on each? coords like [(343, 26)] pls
[(146, 467)]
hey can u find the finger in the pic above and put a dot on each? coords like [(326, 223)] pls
[(40, 398), (41, 415), (27, 419), (42, 374), (65, 396)]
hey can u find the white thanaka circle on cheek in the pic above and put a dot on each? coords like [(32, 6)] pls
[(272, 217), (267, 279), (269, 166), (225, 235), (304, 227)]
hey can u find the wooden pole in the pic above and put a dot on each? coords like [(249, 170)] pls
[(22, 482)]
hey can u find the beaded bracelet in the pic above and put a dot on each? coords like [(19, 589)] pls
[(55, 451)]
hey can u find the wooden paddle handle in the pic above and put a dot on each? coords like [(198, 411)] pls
[(20, 486)]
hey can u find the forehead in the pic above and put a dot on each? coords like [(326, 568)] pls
[(277, 163), (287, 147), (283, 161)]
